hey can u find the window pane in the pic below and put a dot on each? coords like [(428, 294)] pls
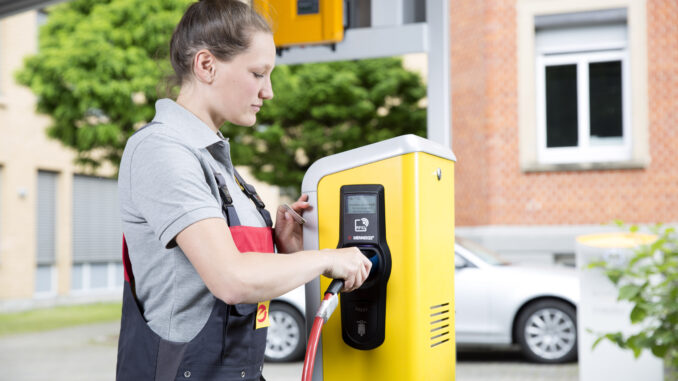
[(119, 275), (43, 278), (76, 277), (561, 106), (98, 275), (605, 94), (46, 217)]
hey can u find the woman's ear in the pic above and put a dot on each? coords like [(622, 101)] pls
[(204, 66)]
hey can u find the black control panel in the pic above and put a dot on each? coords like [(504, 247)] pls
[(363, 224)]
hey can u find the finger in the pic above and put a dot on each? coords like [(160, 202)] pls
[(280, 214), (288, 224), (300, 206), (348, 284)]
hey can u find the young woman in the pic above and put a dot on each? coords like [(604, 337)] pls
[(198, 240)]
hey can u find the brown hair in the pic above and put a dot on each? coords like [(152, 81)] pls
[(224, 27)]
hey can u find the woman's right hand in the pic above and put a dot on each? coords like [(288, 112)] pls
[(348, 264)]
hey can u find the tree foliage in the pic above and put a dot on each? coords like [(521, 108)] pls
[(101, 64), (97, 69), (325, 108)]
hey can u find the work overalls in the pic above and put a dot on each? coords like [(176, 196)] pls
[(228, 347)]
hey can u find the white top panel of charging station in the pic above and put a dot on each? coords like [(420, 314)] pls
[(371, 153)]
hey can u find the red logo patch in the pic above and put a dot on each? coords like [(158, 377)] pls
[(262, 313)]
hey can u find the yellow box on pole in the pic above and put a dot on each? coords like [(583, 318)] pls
[(302, 22), (416, 177)]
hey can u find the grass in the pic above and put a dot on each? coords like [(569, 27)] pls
[(58, 317)]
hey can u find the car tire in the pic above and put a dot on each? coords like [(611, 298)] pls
[(286, 339), (546, 331)]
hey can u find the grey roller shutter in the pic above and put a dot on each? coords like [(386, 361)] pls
[(97, 236), (46, 217)]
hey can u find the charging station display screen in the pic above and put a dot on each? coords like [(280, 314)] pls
[(361, 204)]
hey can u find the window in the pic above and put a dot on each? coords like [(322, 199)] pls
[(97, 236), (582, 85), (45, 275), (96, 276), (583, 110)]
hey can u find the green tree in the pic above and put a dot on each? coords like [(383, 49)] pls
[(325, 108), (102, 62), (97, 70)]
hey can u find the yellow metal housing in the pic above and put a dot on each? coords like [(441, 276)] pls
[(419, 207), (297, 22)]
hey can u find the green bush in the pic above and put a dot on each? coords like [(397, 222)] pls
[(649, 281)]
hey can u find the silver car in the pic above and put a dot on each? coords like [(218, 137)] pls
[(286, 340), (497, 304)]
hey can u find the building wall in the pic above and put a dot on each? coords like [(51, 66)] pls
[(495, 196), (470, 105), (24, 150)]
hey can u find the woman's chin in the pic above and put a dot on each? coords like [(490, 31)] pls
[(245, 122)]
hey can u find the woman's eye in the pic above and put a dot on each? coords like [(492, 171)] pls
[(258, 75)]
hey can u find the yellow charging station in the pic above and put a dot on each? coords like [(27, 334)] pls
[(395, 200), (300, 22)]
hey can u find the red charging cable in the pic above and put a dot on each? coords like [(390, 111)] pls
[(327, 306)]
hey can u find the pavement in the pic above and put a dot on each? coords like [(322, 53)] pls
[(89, 352)]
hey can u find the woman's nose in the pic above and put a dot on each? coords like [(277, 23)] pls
[(267, 91)]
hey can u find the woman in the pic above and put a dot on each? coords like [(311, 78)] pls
[(197, 238)]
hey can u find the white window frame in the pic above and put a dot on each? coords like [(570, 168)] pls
[(53, 283), (86, 275), (584, 152)]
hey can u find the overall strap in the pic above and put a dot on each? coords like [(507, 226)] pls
[(252, 194), (227, 201)]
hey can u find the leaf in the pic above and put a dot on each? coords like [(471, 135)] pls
[(638, 314), (597, 341), (627, 292), (596, 264), (660, 350)]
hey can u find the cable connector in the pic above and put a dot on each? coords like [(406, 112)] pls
[(327, 307)]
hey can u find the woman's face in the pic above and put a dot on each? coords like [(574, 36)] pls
[(241, 85)]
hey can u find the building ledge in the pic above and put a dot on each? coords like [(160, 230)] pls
[(541, 167)]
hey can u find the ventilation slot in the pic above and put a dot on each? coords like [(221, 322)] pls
[(440, 324)]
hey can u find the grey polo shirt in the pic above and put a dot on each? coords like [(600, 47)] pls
[(166, 183)]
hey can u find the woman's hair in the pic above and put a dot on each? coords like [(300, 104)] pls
[(224, 27)]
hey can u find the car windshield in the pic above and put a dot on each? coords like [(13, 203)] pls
[(482, 252)]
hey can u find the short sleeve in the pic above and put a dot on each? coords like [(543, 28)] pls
[(168, 187)]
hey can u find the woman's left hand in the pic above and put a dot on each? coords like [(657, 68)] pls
[(288, 233)]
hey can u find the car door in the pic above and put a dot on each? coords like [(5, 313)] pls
[(472, 302)]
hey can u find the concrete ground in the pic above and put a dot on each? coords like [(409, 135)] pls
[(89, 353)]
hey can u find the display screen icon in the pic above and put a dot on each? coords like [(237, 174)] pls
[(361, 224)]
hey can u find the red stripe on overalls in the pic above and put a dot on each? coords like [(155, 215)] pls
[(126, 264)]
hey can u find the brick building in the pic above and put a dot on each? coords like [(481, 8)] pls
[(564, 117)]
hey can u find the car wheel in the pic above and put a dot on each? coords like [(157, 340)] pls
[(547, 332), (286, 334)]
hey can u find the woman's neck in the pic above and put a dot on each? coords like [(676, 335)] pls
[(189, 100)]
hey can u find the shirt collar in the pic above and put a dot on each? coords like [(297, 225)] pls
[(191, 129)]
